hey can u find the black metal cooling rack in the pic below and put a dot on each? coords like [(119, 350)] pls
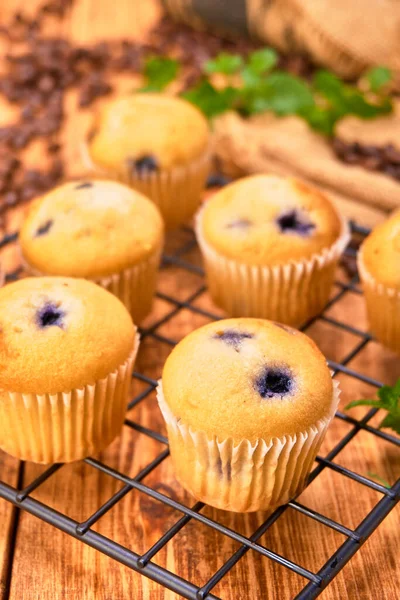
[(315, 582)]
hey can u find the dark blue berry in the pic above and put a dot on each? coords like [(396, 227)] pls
[(45, 228), (233, 338), (85, 184), (239, 224), (295, 221), (274, 382), (143, 165), (218, 180), (50, 315)]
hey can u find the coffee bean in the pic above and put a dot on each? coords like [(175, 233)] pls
[(392, 154), (11, 198), (53, 148), (385, 159)]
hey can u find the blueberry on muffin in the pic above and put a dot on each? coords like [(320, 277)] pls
[(100, 230), (270, 247), (247, 404), (157, 144), (67, 349)]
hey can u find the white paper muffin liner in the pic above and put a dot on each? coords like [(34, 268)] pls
[(245, 476), (67, 426), (383, 307), (134, 286), (176, 192), (289, 293)]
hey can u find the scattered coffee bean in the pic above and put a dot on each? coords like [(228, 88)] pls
[(385, 159)]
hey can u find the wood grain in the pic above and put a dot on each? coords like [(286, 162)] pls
[(48, 565)]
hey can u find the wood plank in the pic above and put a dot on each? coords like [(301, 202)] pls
[(9, 471), (50, 565)]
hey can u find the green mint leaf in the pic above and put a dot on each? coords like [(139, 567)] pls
[(358, 105), (159, 72), (385, 483), (328, 84), (392, 421), (279, 92), (210, 100), (375, 403), (321, 119), (345, 99), (250, 78), (388, 396), (396, 389), (225, 63), (378, 77), (389, 400), (261, 61)]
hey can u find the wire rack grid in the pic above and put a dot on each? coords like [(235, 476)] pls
[(143, 563)]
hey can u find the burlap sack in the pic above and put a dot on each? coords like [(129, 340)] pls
[(287, 146), (345, 36)]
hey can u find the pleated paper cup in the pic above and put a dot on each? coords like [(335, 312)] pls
[(290, 293), (383, 307), (67, 426), (135, 286), (243, 476), (176, 192)]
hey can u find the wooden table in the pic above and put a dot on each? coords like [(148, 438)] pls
[(40, 562)]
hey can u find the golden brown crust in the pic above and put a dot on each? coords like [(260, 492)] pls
[(92, 228), (240, 221), (93, 336), (380, 253), (211, 383), (169, 129)]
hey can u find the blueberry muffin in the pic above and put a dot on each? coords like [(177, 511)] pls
[(379, 268), (100, 230), (159, 145), (270, 247), (67, 349), (247, 403)]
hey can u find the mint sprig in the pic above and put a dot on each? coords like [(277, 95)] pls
[(321, 103), (388, 400), (256, 84)]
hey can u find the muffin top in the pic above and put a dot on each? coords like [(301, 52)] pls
[(90, 228), (142, 133), (268, 220), (380, 252), (247, 378), (58, 334)]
